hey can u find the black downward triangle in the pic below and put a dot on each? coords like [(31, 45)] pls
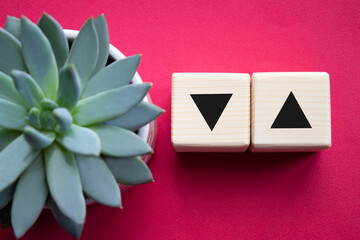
[(291, 115), (211, 106)]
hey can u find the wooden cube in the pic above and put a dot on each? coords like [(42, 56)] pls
[(290, 111), (210, 112)]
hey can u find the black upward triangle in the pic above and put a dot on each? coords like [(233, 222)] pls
[(291, 115), (211, 106)]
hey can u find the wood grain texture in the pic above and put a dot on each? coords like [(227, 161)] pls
[(189, 130), (269, 92)]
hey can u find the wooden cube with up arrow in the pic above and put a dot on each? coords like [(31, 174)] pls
[(290, 112)]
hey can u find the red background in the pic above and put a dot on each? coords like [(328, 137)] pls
[(230, 196)]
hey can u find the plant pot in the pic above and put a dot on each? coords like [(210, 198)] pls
[(148, 132)]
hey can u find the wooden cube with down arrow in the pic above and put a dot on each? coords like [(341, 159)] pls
[(210, 112)]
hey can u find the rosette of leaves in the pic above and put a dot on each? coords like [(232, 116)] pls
[(67, 123)]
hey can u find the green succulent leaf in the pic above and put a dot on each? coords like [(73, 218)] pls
[(97, 181), (64, 183), (27, 87), (29, 198), (119, 142), (34, 118), (84, 51), (63, 118), (69, 87), (6, 195), (116, 75), (47, 120), (14, 159), (80, 140), (39, 57), (103, 38), (137, 117), (71, 227), (109, 105), (8, 90), (13, 26), (56, 36), (48, 104), (10, 53), (7, 136), (129, 171), (12, 115), (38, 139)]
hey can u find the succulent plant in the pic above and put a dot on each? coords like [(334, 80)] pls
[(67, 123)]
